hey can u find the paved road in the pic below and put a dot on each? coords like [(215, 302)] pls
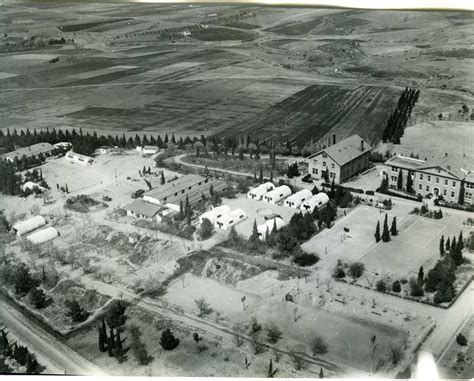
[(52, 353)]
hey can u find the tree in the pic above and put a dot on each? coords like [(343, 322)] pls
[(103, 339), (76, 312), (377, 232), (111, 344), (461, 193), (260, 176), (254, 239), (415, 288), (385, 232), (381, 286), (293, 170), (383, 184), (38, 298), (206, 229), (393, 228), (400, 179), (115, 316), (321, 373), (461, 339), (421, 276), (409, 182), (441, 246), (137, 346), (203, 307), (273, 333), (23, 280), (356, 270), (271, 372), (396, 286), (318, 346), (162, 180), (168, 341)]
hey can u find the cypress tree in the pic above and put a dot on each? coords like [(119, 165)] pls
[(453, 246), (254, 240), (400, 179), (421, 275), (441, 246), (111, 344), (448, 244), (321, 373), (461, 193), (162, 178), (409, 182), (260, 176), (181, 210), (377, 232), (103, 337), (385, 232), (393, 228), (460, 241)]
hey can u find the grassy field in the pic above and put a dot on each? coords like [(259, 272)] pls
[(306, 73)]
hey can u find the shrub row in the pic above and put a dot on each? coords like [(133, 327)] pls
[(417, 198)]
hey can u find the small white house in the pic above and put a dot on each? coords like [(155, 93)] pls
[(73, 157), (226, 221), (24, 227), (43, 236), (260, 191), (104, 150), (317, 201), (277, 194), (31, 185), (148, 150), (268, 226), (295, 200), (64, 145), (214, 214)]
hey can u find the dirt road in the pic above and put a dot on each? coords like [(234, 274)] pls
[(52, 353)]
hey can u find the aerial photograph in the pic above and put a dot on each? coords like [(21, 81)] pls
[(235, 190)]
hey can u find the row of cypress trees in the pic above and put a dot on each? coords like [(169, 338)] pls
[(19, 353)]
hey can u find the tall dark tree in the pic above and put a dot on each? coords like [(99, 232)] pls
[(461, 193), (441, 246), (254, 239), (409, 182), (168, 341), (377, 232), (162, 181), (448, 244), (400, 179), (385, 232), (111, 344), (393, 228), (421, 275), (103, 339)]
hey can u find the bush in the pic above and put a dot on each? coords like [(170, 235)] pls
[(415, 288), (167, 341), (396, 286), (356, 270), (273, 333), (339, 273), (381, 286), (370, 192), (318, 346), (206, 229), (461, 339), (76, 312), (305, 259), (38, 298)]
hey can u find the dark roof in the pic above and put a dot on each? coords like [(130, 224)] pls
[(346, 150), (33, 150), (169, 189), (143, 208), (195, 194)]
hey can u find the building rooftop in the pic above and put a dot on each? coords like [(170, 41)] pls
[(456, 165), (33, 150), (173, 187), (346, 150), (405, 162), (143, 208)]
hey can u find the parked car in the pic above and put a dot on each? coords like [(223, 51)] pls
[(307, 179), (106, 198)]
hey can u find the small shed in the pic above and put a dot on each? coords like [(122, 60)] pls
[(295, 200), (317, 201), (277, 194), (43, 236), (24, 227), (214, 214), (226, 221), (260, 191), (268, 226)]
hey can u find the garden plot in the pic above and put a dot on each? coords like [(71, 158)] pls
[(99, 72)]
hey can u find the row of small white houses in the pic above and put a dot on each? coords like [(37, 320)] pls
[(23, 228), (303, 199)]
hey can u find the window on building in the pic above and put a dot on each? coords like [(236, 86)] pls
[(315, 161), (420, 187), (467, 195), (427, 188), (324, 163), (437, 180), (454, 183), (333, 165), (332, 175), (394, 169), (429, 178), (315, 171), (182, 191), (444, 192), (452, 194), (445, 182), (421, 176), (394, 178), (324, 155)]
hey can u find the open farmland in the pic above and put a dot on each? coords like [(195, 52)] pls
[(280, 73)]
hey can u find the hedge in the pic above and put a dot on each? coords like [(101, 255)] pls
[(467, 208), (418, 198)]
